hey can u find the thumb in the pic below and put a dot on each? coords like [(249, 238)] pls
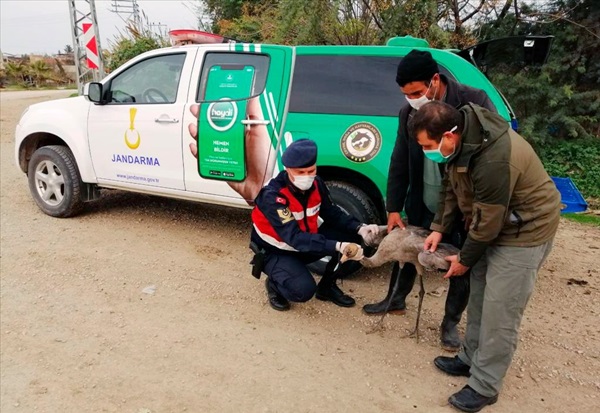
[(448, 258), (447, 275)]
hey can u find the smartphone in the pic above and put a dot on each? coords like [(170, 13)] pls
[(221, 138)]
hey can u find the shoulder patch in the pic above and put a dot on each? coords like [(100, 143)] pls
[(280, 200), (285, 215)]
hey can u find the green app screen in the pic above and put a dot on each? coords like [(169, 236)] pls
[(221, 147)]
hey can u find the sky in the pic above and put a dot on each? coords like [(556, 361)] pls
[(44, 27)]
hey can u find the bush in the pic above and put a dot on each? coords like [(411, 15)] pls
[(135, 43), (577, 159)]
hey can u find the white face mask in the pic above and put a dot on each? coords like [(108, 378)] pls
[(303, 182), (417, 103)]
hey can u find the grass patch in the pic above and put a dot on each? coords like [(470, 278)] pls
[(588, 219)]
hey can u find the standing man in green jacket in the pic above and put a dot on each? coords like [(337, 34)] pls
[(493, 176)]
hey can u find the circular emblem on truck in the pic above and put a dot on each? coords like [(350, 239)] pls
[(222, 115), (361, 142)]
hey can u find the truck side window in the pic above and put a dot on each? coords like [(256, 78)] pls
[(259, 62), (347, 85), (152, 81)]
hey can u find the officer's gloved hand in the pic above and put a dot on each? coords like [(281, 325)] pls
[(350, 251), (368, 233)]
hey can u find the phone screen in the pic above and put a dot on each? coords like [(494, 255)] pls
[(221, 139)]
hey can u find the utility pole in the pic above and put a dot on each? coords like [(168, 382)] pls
[(86, 42), (128, 10)]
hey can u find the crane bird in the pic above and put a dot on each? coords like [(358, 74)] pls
[(405, 246)]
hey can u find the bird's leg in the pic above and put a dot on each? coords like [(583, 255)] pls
[(421, 295), (378, 325)]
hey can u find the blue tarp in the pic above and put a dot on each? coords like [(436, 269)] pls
[(570, 197)]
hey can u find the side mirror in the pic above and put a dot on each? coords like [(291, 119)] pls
[(93, 92)]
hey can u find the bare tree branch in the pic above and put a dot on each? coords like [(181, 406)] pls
[(474, 12), (368, 6), (556, 18)]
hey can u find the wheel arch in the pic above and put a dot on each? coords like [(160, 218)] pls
[(44, 137), (333, 173), (32, 143)]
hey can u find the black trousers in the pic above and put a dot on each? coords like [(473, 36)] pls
[(287, 271)]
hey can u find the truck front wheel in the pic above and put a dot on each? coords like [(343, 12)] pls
[(54, 181)]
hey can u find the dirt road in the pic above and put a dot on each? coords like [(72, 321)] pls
[(79, 334)]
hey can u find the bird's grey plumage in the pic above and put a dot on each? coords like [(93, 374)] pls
[(406, 246)]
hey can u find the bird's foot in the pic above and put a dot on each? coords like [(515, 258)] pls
[(378, 326)]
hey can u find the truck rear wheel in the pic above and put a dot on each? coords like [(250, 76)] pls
[(357, 203), (54, 181)]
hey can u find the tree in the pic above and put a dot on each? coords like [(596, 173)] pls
[(128, 46), (3, 77), (68, 49), (16, 71), (40, 72), (568, 83)]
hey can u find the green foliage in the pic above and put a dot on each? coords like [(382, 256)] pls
[(16, 71), (135, 43), (417, 18), (309, 22), (39, 71), (225, 12), (577, 159)]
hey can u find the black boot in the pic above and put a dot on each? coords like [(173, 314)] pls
[(276, 300), (456, 302), (405, 284), (468, 400), (327, 290)]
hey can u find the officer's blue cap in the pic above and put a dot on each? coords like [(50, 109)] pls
[(300, 154)]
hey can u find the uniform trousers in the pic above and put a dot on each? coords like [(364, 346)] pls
[(287, 271)]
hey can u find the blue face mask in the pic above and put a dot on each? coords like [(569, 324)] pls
[(436, 155)]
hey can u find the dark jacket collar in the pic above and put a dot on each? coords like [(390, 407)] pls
[(452, 91)]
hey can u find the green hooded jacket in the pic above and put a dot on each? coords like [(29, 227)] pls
[(498, 182)]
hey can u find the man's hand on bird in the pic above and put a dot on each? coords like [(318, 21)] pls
[(394, 220), (432, 241), (368, 233), (456, 268), (350, 251)]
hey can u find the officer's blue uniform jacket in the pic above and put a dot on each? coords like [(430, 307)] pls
[(286, 219)]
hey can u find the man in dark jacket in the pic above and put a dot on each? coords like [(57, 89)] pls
[(494, 176), (295, 223), (414, 183)]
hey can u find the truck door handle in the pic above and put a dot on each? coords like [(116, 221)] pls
[(166, 120), (252, 122)]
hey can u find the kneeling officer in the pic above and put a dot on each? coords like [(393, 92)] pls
[(295, 223)]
